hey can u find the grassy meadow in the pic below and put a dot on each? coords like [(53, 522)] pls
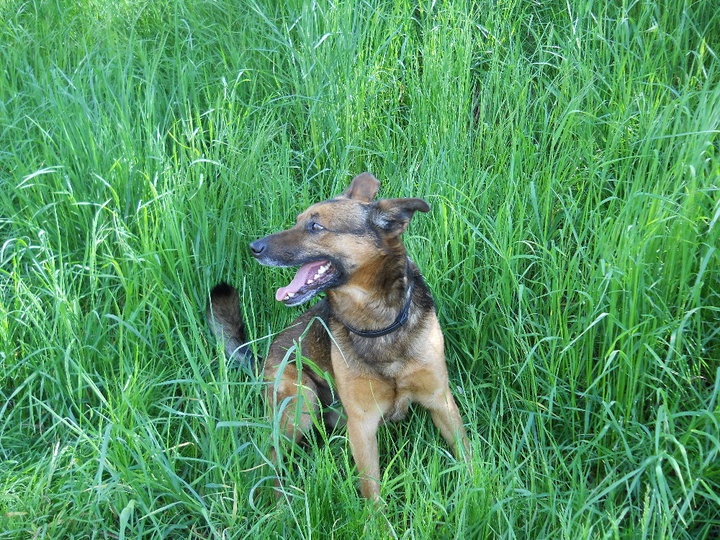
[(570, 153)]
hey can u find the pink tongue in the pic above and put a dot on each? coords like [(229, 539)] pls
[(305, 272)]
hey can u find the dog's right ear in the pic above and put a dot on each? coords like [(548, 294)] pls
[(363, 188)]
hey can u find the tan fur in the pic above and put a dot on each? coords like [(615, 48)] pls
[(376, 378)]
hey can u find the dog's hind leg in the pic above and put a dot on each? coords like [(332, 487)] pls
[(294, 405)]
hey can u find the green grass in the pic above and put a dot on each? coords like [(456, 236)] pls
[(570, 152)]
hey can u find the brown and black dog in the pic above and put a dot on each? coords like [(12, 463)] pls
[(386, 348)]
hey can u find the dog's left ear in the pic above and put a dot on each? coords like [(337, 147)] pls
[(363, 188), (393, 215)]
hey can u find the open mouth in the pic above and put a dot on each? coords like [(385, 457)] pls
[(309, 280)]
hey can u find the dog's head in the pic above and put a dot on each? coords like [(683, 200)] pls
[(333, 238)]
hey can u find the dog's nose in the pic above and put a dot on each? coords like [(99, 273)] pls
[(258, 247)]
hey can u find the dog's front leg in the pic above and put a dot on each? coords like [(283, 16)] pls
[(446, 417), (362, 432), (429, 387), (366, 399)]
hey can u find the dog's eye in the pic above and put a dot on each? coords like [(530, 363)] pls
[(315, 226)]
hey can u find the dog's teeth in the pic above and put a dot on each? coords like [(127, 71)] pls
[(309, 281), (323, 269), (290, 295)]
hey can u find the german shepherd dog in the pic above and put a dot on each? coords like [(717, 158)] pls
[(385, 348)]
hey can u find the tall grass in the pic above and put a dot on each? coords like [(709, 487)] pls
[(569, 152)]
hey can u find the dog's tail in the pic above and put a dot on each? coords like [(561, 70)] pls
[(225, 320)]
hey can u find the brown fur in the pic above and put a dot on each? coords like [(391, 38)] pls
[(376, 377)]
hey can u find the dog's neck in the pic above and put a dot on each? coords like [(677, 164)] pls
[(377, 296)]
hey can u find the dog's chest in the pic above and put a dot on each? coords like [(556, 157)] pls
[(392, 364), (381, 356)]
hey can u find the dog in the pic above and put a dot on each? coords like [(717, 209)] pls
[(384, 349)]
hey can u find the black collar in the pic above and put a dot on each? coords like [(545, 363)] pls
[(401, 318)]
